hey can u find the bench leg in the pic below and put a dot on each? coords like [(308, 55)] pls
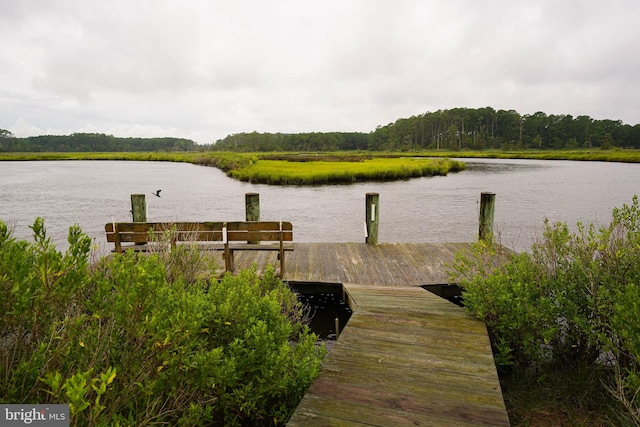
[(228, 261), (281, 264)]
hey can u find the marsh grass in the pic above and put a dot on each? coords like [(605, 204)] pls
[(185, 260), (232, 160), (320, 157), (595, 155), (283, 172)]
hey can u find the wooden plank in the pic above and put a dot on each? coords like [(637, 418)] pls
[(339, 412), (406, 357), (360, 406), (271, 236), (164, 226), (259, 225), (387, 264), (191, 236), (259, 247)]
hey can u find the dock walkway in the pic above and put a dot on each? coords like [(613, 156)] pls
[(406, 357)]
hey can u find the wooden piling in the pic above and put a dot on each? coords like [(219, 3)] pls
[(139, 208), (252, 208), (487, 208), (372, 213)]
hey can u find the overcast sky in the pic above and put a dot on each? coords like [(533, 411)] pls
[(206, 69)]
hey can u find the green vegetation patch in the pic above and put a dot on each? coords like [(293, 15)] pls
[(568, 308), (284, 172), (138, 340)]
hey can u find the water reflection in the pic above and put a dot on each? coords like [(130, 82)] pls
[(482, 166)]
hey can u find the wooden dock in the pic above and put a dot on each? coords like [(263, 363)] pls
[(406, 357), (384, 264)]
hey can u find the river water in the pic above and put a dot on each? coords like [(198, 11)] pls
[(434, 209)]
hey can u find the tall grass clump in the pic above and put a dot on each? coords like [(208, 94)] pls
[(569, 305), (182, 260), (123, 343)]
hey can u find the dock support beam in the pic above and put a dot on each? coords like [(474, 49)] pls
[(372, 212), (138, 208), (487, 208)]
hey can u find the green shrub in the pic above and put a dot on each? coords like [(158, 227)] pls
[(572, 301), (122, 345)]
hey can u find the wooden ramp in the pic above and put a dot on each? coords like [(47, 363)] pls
[(405, 358)]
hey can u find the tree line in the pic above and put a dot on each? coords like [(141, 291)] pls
[(486, 128), (315, 141), (454, 129), (91, 142)]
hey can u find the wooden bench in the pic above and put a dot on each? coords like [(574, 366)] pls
[(228, 237)]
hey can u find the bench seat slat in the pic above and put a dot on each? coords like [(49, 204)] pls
[(259, 247), (270, 236)]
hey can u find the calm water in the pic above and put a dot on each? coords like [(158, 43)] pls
[(438, 209)]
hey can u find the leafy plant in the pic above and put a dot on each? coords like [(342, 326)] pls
[(571, 302), (124, 343)]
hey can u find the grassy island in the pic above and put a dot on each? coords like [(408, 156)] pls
[(285, 172)]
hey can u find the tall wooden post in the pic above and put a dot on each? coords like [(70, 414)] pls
[(139, 208), (252, 209), (252, 206), (372, 212), (487, 208)]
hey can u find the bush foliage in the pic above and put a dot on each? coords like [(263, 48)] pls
[(123, 345), (573, 301)]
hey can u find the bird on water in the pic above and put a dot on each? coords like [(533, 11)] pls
[(157, 193)]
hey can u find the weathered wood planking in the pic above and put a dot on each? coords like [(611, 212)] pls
[(387, 264), (406, 358)]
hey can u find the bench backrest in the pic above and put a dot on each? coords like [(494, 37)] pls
[(139, 232), (259, 231), (235, 231)]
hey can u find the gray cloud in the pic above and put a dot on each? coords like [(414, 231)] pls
[(203, 69)]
